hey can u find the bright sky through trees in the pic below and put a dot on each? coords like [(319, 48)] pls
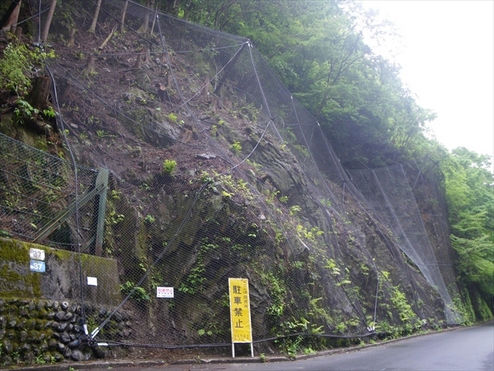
[(447, 50)]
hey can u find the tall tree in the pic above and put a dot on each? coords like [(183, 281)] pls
[(49, 17), (11, 16), (470, 196), (95, 17), (318, 50)]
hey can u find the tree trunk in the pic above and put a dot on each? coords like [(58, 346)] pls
[(122, 20), (169, 6), (38, 96), (49, 17), (143, 57), (154, 19), (103, 44), (18, 34), (145, 24), (10, 18), (95, 18), (71, 41), (89, 70)]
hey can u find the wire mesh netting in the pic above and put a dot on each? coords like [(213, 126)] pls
[(389, 192), (214, 171), (37, 190)]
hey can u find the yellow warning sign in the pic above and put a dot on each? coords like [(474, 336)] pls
[(240, 310)]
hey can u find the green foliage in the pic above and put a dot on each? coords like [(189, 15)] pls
[(40, 360), (102, 134), (470, 196), (249, 111), (475, 261), (172, 117), (169, 166), (295, 209), (226, 194), (214, 130), (277, 292), (115, 218), (292, 345), (308, 234), (24, 111), (234, 186), (236, 148), (464, 308), (318, 51), (202, 332), (115, 195), (295, 344), (195, 280), (144, 186), (49, 112), (383, 276), (149, 219), (332, 267), (17, 66), (400, 303), (205, 177), (14, 67), (136, 292)]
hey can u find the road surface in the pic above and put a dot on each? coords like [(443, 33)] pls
[(463, 349)]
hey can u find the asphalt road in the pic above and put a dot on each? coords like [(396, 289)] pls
[(463, 349)]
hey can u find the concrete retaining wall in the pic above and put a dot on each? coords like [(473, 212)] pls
[(41, 318)]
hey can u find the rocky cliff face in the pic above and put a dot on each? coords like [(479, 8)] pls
[(220, 178)]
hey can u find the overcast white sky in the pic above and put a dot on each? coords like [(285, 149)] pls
[(447, 60)]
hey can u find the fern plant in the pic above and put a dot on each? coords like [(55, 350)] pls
[(169, 166)]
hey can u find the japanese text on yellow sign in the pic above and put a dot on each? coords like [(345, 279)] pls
[(240, 310)]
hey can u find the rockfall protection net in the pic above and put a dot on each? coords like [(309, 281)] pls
[(390, 194), (211, 162)]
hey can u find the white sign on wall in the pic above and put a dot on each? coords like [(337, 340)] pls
[(37, 254), (164, 292)]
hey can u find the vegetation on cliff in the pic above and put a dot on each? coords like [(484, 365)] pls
[(372, 120), (211, 175)]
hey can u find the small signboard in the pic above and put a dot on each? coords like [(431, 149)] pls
[(37, 266), (37, 254), (240, 313), (92, 281), (164, 292)]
